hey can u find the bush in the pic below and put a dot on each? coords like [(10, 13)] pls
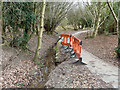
[(118, 51)]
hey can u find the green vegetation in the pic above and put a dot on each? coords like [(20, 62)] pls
[(18, 21), (118, 48), (57, 51), (23, 20)]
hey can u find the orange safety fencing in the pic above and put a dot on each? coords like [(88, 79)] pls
[(77, 45), (66, 39), (69, 41)]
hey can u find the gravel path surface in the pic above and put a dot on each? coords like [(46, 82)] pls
[(106, 71)]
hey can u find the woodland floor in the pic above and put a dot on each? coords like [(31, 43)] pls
[(19, 70), (102, 46), (68, 75)]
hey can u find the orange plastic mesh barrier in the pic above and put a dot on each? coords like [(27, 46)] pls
[(76, 44), (66, 39)]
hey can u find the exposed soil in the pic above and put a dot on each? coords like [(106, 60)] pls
[(51, 61), (18, 68), (102, 46), (68, 75), (47, 42)]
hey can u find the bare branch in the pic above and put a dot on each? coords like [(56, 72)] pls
[(112, 11)]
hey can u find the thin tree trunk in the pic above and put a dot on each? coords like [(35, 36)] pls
[(119, 30), (97, 22), (96, 26), (114, 16), (3, 25), (40, 32), (3, 33), (97, 19), (63, 27)]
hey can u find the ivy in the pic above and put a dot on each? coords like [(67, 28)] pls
[(18, 18), (118, 50)]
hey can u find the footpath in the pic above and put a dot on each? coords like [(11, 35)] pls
[(107, 72), (96, 74)]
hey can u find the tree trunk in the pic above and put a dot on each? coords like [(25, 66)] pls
[(119, 31), (97, 20), (75, 27), (96, 26), (63, 27), (114, 16), (40, 32), (3, 32), (3, 25)]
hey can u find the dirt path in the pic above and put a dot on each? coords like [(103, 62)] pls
[(96, 74), (79, 32), (107, 72)]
